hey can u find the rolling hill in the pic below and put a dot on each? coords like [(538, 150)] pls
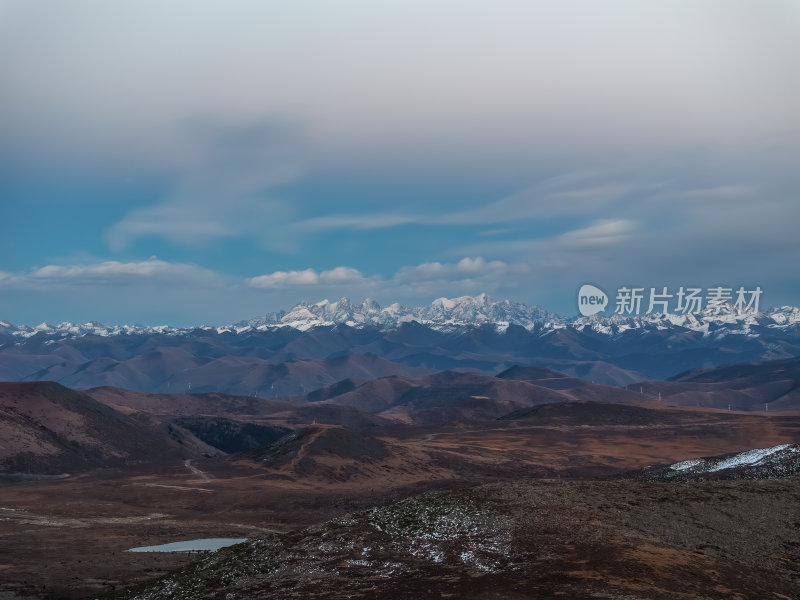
[(48, 429), (772, 385)]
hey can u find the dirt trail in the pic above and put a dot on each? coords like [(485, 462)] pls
[(303, 450), (195, 470)]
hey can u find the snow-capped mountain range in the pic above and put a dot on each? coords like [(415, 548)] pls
[(455, 312), (443, 313)]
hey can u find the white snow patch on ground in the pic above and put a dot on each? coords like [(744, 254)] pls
[(751, 457), (686, 464)]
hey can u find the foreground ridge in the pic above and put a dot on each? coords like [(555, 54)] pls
[(530, 539)]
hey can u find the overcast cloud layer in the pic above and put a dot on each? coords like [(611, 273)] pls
[(209, 161)]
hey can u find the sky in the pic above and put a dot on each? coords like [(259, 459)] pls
[(205, 162)]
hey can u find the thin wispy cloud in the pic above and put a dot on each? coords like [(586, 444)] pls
[(308, 277), (601, 233), (375, 221), (112, 272), (437, 271), (228, 187), (559, 196)]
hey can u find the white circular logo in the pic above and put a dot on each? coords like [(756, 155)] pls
[(591, 300)]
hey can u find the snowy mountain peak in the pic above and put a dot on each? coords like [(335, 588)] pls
[(442, 312)]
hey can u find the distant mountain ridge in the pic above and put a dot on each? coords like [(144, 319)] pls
[(317, 345), (441, 314)]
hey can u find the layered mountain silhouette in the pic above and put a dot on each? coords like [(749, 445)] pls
[(50, 429), (456, 396), (283, 354)]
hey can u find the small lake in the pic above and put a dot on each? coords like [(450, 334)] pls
[(204, 544)]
